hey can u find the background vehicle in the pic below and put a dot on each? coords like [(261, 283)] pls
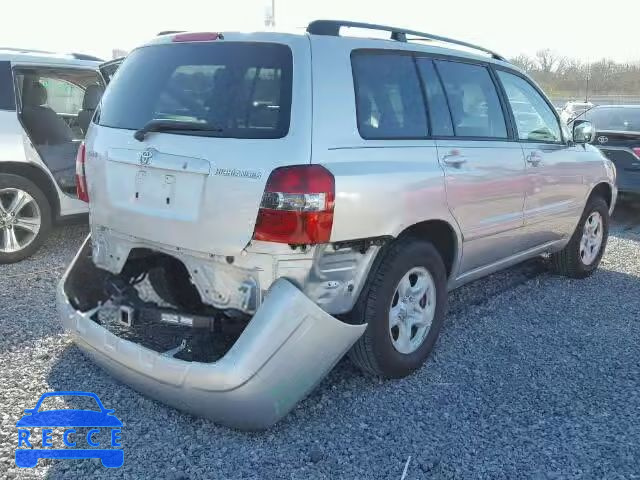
[(418, 169), (46, 103), (617, 135), (572, 109)]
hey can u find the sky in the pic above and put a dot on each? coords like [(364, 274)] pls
[(509, 27)]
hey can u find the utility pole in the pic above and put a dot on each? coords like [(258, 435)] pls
[(270, 16), (586, 93)]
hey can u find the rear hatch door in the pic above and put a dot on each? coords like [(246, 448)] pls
[(620, 148), (199, 189), (108, 69)]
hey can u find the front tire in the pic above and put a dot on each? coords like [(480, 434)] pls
[(404, 304), (582, 255), (25, 218)]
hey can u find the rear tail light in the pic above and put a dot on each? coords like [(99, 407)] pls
[(81, 175), (297, 206), (637, 151)]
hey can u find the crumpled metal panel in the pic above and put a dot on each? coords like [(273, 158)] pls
[(288, 347)]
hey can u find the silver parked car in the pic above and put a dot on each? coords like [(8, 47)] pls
[(46, 104), (308, 195)]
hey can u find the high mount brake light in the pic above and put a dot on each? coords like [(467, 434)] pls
[(297, 206), (197, 37), (81, 175)]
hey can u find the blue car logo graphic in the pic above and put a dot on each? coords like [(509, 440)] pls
[(69, 419)]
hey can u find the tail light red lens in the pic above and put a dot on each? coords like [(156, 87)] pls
[(637, 151), (297, 206), (81, 176)]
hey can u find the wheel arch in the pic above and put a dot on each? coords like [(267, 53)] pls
[(604, 190), (443, 236), (37, 176)]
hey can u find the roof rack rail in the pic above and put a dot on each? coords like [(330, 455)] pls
[(169, 32), (332, 28)]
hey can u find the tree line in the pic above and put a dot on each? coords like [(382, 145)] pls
[(565, 76)]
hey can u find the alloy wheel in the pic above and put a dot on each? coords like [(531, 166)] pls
[(20, 220)]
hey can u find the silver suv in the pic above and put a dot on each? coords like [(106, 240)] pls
[(46, 104), (296, 197)]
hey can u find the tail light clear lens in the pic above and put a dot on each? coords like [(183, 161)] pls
[(81, 176), (297, 206)]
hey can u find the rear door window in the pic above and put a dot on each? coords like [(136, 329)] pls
[(7, 95), (473, 100), (242, 89), (389, 100), (439, 114), (535, 121)]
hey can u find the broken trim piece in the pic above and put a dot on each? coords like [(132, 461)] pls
[(286, 350)]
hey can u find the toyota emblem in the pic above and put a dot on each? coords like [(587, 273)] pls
[(146, 157), (603, 139)]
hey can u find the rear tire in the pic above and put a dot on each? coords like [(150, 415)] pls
[(381, 351), (19, 236), (582, 255)]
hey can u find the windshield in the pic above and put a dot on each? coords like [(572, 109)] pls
[(623, 119), (242, 89)]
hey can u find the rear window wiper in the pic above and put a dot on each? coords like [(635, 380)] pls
[(168, 125)]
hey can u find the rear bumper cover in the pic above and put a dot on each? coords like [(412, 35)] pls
[(286, 350)]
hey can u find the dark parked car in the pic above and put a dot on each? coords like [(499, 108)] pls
[(617, 134)]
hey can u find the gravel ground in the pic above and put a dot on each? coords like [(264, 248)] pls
[(534, 376)]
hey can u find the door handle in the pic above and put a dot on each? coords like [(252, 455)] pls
[(454, 159), (534, 159)]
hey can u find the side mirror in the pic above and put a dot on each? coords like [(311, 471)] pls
[(583, 131)]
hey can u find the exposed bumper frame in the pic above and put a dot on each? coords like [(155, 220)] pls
[(286, 350)]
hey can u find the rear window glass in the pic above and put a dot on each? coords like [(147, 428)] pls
[(622, 119), (389, 100), (242, 89)]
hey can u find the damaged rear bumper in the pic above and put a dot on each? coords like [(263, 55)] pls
[(287, 348)]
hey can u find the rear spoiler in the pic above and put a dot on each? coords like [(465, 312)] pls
[(624, 133)]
